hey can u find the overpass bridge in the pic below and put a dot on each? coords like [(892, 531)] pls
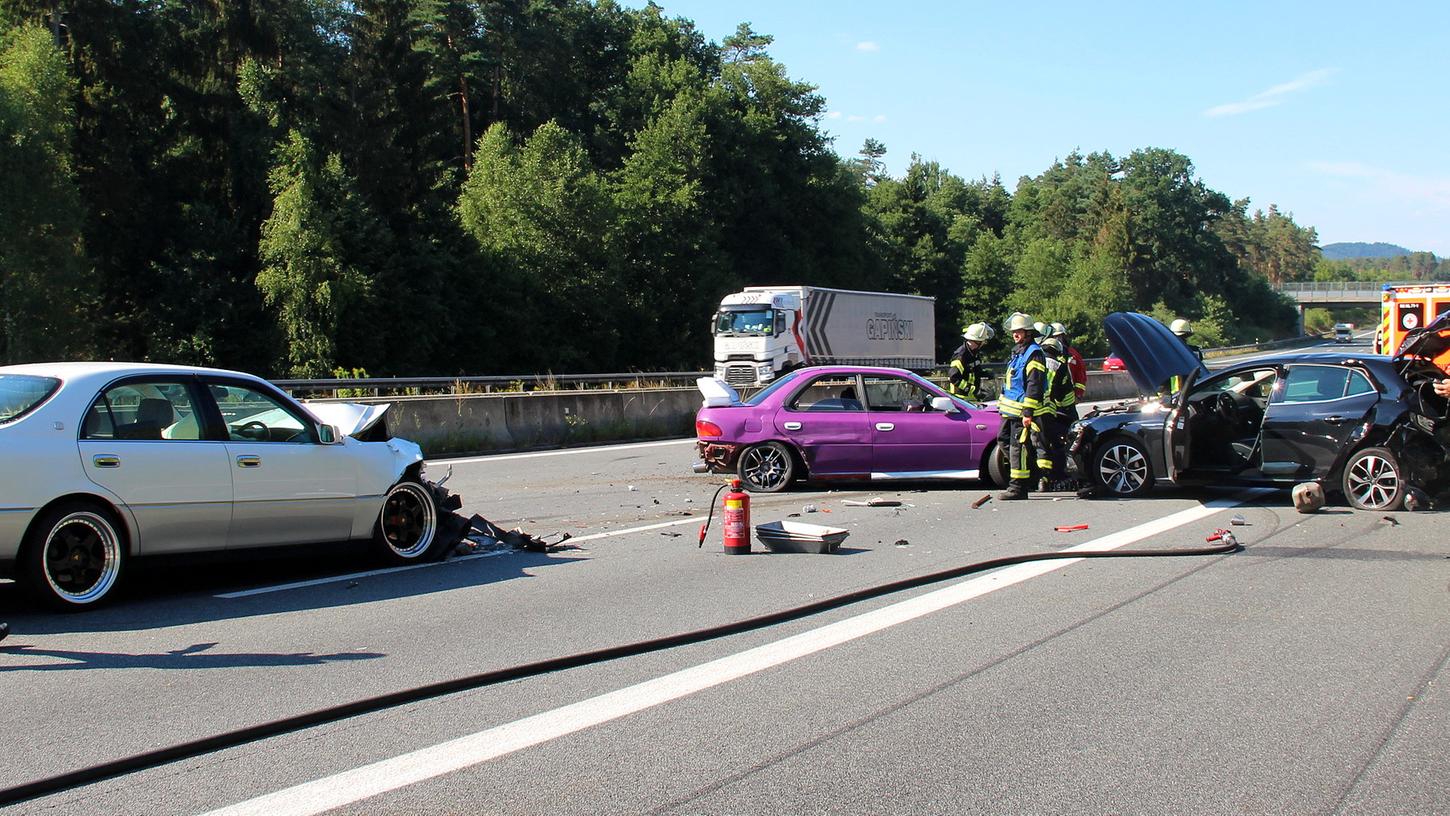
[(1332, 294)]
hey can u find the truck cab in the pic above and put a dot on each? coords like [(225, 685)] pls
[(755, 338)]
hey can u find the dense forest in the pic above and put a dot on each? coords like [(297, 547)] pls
[(409, 187)]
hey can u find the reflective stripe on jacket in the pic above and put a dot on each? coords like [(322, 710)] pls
[(1025, 382)]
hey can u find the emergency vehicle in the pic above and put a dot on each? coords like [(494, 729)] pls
[(1406, 307)]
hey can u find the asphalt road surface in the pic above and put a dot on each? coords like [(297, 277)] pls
[(1305, 674)]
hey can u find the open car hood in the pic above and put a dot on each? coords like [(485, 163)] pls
[(350, 418), (1431, 342), (1150, 351)]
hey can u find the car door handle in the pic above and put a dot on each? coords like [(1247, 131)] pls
[(106, 460), (792, 426), (885, 426), (249, 461), (1336, 419)]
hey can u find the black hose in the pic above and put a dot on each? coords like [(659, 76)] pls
[(710, 515), (231, 739)]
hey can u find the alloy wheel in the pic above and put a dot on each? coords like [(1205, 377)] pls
[(1123, 469), (82, 557), (1373, 481), (409, 520)]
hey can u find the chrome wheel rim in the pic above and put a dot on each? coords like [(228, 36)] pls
[(1374, 482), (764, 467), (408, 520), (82, 557), (1123, 469)]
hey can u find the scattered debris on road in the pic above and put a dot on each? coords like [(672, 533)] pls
[(484, 534), (1238, 520), (1308, 497), (872, 502), (986, 497), (901, 542), (1070, 528), (1394, 522)]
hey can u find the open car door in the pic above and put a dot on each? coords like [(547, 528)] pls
[(1177, 430)]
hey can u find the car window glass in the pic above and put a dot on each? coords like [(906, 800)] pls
[(829, 393), (895, 394), (143, 410), (764, 393), (1358, 384), (20, 393), (1255, 383), (1312, 383), (254, 416)]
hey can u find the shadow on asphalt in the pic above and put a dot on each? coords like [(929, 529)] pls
[(163, 593), (192, 657)]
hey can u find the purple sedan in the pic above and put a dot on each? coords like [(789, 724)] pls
[(845, 423)]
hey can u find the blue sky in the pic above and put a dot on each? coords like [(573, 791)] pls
[(1336, 112)]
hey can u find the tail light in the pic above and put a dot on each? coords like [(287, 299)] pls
[(704, 427)]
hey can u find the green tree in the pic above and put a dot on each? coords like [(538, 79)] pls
[(44, 287), (310, 250)]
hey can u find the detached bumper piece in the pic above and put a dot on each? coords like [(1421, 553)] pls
[(716, 457)]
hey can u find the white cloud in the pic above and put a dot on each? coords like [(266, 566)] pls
[(879, 118), (833, 115), (1421, 190), (868, 45), (1273, 96), (855, 118)]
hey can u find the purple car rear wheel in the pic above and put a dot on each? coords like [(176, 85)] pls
[(766, 468)]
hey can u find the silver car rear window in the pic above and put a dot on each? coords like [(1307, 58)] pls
[(19, 393)]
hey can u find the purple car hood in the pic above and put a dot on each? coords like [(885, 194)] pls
[(1152, 353)]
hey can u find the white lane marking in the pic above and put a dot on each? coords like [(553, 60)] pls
[(562, 452), (386, 570), (426, 763)]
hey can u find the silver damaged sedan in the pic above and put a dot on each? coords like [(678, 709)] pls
[(104, 462)]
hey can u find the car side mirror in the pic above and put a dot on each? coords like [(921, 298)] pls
[(944, 404), (328, 435)]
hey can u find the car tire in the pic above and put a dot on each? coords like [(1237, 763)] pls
[(1373, 480), (766, 468), (996, 465), (407, 528), (1121, 467), (73, 557)]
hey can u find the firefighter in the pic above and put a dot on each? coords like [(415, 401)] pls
[(1075, 366), (1059, 399), (1182, 329), (1023, 391), (967, 372)]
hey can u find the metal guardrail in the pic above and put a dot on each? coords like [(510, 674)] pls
[(510, 383), (1345, 287)]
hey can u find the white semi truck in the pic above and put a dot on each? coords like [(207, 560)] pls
[(765, 331)]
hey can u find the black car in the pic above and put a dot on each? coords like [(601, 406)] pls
[(1369, 427)]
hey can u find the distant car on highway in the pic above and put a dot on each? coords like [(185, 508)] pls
[(1113, 362), (1366, 426), (104, 462), (845, 423), (1343, 333)]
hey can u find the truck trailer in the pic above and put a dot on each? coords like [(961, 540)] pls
[(765, 331)]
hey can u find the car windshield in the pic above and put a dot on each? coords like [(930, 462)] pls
[(21, 392), (761, 395), (752, 322)]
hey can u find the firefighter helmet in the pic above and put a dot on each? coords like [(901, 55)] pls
[(979, 332), (1052, 343), (1181, 327), (1018, 321), (1059, 330)]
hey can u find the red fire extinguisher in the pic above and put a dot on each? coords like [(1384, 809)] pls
[(736, 513), (737, 519)]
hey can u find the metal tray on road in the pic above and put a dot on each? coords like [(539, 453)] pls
[(798, 537)]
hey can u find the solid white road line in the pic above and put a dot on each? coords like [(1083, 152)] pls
[(426, 763), (502, 457), (353, 576)]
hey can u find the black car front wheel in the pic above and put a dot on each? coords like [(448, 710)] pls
[(73, 557), (1373, 480), (1122, 468), (766, 468)]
